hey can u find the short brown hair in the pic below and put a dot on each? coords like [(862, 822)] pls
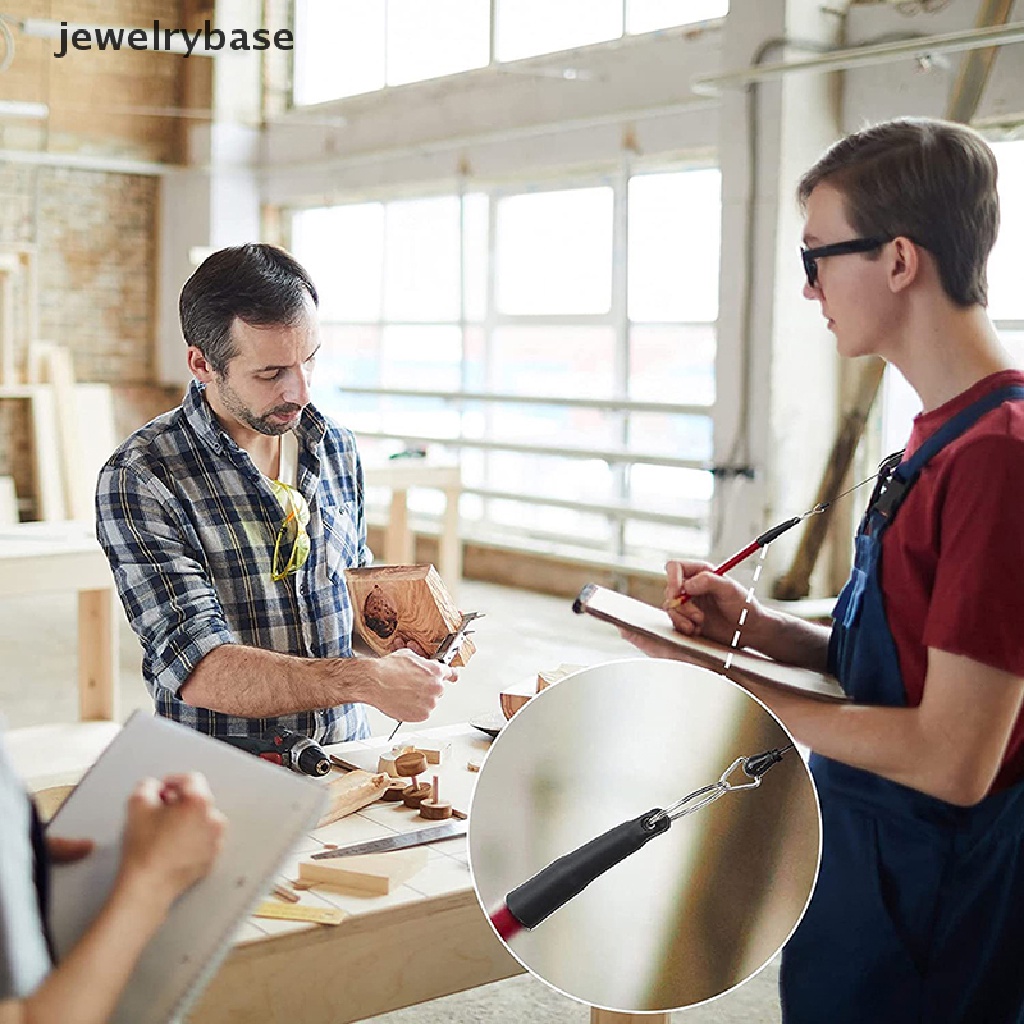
[(260, 284), (928, 180)]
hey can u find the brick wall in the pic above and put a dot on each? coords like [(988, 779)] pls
[(91, 234)]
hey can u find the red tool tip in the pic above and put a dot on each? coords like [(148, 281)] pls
[(504, 923)]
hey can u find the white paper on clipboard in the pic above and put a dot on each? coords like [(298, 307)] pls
[(268, 809), (620, 610)]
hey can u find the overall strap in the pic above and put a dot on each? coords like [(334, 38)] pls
[(908, 471)]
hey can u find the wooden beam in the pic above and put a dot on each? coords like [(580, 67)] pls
[(796, 582), (976, 65)]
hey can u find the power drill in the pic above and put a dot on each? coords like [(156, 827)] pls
[(285, 747)]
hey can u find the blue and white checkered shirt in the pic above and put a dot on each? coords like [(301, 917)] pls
[(188, 523)]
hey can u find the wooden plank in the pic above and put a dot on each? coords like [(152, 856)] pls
[(97, 655), (46, 455), (796, 582), (8, 372), (8, 501), (373, 874), (349, 793), (94, 418), (298, 912)]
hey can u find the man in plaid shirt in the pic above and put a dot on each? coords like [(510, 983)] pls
[(229, 523)]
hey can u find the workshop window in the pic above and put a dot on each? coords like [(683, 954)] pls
[(360, 46), (592, 301)]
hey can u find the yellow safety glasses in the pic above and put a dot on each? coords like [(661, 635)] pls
[(291, 548)]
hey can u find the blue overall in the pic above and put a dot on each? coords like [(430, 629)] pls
[(918, 912)]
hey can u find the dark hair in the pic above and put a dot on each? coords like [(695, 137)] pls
[(931, 181), (260, 284)]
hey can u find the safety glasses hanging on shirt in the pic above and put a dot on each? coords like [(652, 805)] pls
[(291, 547)]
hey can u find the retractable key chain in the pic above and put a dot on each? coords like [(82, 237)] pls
[(552, 887)]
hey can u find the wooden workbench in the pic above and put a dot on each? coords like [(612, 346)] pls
[(47, 558), (428, 938)]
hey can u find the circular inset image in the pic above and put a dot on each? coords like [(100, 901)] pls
[(644, 836)]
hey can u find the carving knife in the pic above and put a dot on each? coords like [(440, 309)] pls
[(420, 837)]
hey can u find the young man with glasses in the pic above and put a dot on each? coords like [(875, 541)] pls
[(918, 913), (229, 523)]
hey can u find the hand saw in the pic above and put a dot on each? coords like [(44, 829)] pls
[(420, 837)]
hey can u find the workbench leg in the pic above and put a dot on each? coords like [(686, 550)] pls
[(97, 655), (614, 1017), (398, 542), (450, 545)]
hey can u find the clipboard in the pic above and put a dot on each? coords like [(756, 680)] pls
[(620, 610), (267, 808)]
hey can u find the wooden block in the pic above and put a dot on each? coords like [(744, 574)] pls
[(435, 753), (397, 606), (434, 810), (472, 766), (548, 677), (350, 792), (395, 791), (296, 912), (284, 893), (386, 761), (415, 795), (410, 764), (49, 800), (516, 697), (371, 874)]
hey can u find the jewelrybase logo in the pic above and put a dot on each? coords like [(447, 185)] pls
[(206, 40)]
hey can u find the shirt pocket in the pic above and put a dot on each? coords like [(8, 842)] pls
[(341, 539)]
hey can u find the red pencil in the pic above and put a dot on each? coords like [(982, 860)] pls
[(733, 560)]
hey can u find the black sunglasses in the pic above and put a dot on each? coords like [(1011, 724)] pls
[(811, 256)]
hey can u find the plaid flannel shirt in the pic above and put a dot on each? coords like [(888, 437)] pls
[(188, 524)]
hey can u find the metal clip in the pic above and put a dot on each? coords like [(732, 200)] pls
[(701, 798)]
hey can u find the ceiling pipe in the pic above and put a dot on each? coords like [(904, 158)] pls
[(859, 56)]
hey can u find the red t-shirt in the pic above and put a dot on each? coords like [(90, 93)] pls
[(953, 559)]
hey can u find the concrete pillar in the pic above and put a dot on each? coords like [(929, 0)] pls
[(790, 394)]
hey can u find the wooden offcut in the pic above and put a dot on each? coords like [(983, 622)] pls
[(404, 606), (371, 874), (350, 792)]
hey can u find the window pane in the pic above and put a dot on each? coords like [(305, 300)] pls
[(339, 49), (474, 239), (427, 40), (554, 252), (683, 492), (342, 247), (685, 437), (421, 270), (672, 364), (527, 27), (655, 543), (421, 357), (648, 15), (674, 241), (1014, 342), (552, 425), (348, 356), (567, 361), (1006, 298)]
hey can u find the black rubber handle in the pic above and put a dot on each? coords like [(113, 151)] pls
[(777, 531), (553, 886)]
